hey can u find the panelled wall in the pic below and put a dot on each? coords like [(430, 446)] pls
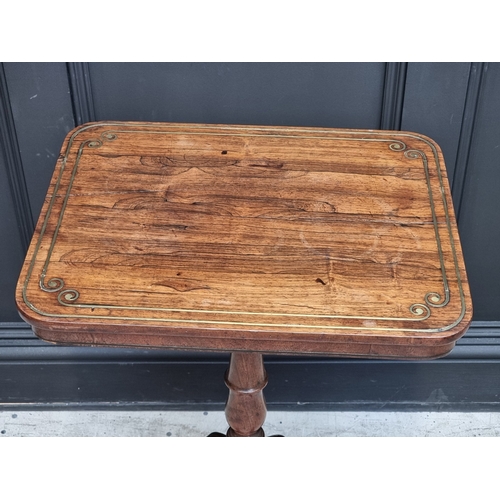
[(457, 104)]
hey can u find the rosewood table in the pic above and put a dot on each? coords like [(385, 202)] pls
[(249, 240)]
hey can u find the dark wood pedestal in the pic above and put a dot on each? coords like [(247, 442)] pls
[(246, 407)]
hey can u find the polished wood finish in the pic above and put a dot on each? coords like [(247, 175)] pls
[(239, 238), (246, 406)]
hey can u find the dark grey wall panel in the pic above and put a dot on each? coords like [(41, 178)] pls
[(16, 224), (330, 95), (11, 248), (41, 106), (81, 92), (394, 93), (480, 208), (457, 104), (12, 164), (434, 104)]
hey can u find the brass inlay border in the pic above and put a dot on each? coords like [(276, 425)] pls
[(422, 310)]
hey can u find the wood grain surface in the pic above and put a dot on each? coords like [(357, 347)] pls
[(268, 239)]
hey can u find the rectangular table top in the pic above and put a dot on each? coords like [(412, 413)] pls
[(270, 239)]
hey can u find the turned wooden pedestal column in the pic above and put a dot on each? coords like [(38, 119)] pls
[(246, 406)]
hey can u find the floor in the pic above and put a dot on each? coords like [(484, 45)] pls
[(290, 424)]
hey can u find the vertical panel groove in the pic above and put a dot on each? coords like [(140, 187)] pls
[(472, 98), (81, 92), (15, 173), (394, 90)]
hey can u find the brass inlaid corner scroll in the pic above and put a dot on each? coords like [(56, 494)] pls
[(57, 284), (432, 299), (420, 310)]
